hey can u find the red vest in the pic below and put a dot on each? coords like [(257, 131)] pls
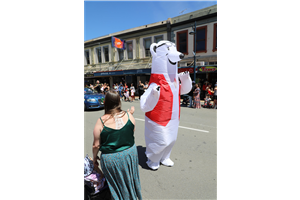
[(162, 112)]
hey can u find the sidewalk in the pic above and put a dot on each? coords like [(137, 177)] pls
[(136, 99)]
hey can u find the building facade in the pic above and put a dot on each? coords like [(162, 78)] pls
[(206, 43), (111, 65)]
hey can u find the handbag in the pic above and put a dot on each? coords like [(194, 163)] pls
[(103, 194)]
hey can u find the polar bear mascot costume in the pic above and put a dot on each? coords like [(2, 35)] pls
[(161, 103)]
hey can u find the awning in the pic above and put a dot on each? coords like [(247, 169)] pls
[(123, 72)]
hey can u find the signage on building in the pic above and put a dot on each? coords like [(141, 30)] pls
[(184, 69), (207, 69), (108, 73), (89, 75), (143, 71), (198, 69)]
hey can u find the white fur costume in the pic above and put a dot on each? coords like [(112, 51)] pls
[(161, 103)]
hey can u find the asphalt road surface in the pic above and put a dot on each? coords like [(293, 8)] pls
[(194, 174)]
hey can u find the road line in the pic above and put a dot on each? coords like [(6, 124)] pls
[(140, 119), (181, 127), (193, 129)]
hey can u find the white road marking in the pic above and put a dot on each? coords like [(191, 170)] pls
[(181, 127), (193, 129), (140, 119)]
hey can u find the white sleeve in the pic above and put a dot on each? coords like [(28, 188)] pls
[(150, 98), (186, 83)]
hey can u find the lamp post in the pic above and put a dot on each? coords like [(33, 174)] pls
[(194, 32)]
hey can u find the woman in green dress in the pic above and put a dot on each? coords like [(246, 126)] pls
[(114, 137)]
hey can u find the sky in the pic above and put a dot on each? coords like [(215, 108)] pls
[(106, 17)]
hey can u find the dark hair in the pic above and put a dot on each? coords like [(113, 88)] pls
[(112, 103)]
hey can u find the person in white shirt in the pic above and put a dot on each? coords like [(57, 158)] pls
[(132, 91), (146, 86), (91, 86)]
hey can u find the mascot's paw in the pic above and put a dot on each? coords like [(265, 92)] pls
[(167, 162), (152, 165), (155, 91), (184, 75)]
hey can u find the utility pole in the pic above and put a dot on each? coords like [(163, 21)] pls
[(194, 32)]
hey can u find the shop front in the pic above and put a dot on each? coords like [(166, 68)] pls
[(136, 75), (89, 79), (210, 73), (124, 76), (203, 74)]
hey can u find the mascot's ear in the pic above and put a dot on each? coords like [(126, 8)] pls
[(153, 49)]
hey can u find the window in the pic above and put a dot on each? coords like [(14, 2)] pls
[(147, 43), (98, 53), (121, 54), (87, 56), (215, 38), (201, 39), (130, 50), (158, 38), (182, 41), (106, 57)]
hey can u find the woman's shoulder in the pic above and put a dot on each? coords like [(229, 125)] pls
[(99, 124), (103, 118), (131, 117)]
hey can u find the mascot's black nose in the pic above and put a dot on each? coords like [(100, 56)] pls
[(181, 56)]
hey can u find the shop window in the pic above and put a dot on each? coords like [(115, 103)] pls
[(215, 38), (87, 56), (130, 50), (106, 57), (147, 43), (182, 41), (201, 41)]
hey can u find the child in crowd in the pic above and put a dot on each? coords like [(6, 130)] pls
[(93, 176), (126, 94), (132, 95), (132, 91), (207, 101)]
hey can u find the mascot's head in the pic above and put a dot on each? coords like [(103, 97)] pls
[(164, 57)]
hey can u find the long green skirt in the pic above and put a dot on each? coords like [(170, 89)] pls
[(122, 174)]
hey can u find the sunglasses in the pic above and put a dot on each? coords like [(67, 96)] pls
[(169, 44)]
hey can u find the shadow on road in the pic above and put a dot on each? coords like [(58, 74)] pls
[(93, 110), (142, 157)]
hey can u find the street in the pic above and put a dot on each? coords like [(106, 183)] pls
[(194, 174)]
